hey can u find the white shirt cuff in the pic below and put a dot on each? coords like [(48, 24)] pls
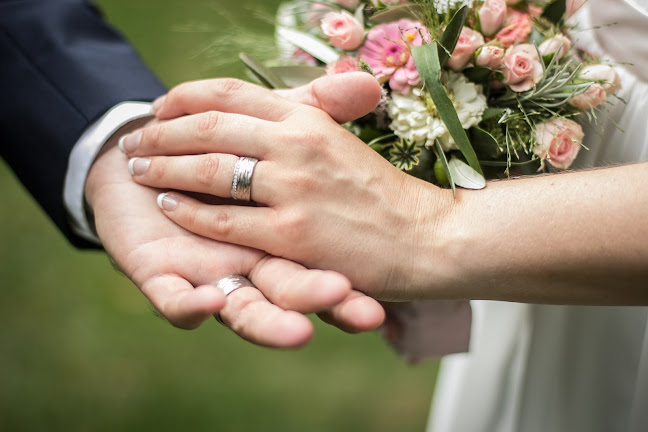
[(83, 155)]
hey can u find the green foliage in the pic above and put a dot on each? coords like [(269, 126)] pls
[(555, 11), (266, 77), (427, 62)]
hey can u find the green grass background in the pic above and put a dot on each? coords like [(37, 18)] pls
[(80, 349)]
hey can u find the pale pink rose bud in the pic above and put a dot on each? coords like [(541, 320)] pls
[(490, 56), (491, 16), (469, 41), (594, 96), (603, 74), (558, 141), (559, 44), (517, 28), (349, 4), (343, 30), (522, 67), (343, 65)]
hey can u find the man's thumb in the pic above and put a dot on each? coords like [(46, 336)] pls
[(344, 97)]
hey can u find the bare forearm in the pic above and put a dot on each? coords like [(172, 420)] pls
[(579, 237)]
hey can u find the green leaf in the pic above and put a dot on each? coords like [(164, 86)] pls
[(555, 11), (397, 12), (491, 112), (536, 37), (295, 76), (359, 15), (477, 74), (379, 139), (426, 58), (444, 162), (263, 74), (464, 176), (451, 34), (485, 143)]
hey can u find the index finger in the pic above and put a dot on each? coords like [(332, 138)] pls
[(225, 95)]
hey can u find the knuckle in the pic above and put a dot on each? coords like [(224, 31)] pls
[(302, 183), (207, 169), (310, 141), (158, 170), (178, 93), (152, 138), (222, 224), (206, 125), (230, 86), (293, 224)]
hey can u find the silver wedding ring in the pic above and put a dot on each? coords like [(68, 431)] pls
[(242, 178), (230, 284)]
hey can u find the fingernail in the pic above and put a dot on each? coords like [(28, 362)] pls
[(157, 103), (167, 201), (138, 166), (129, 142)]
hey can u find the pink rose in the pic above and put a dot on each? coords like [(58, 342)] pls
[(349, 4), (559, 44), (603, 74), (491, 16), (522, 67), (517, 28), (343, 65), (469, 41), (387, 52), (490, 56), (594, 96), (343, 30), (558, 141)]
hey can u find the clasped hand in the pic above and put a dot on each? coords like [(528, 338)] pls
[(324, 198)]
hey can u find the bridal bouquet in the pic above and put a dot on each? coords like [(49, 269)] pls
[(470, 90)]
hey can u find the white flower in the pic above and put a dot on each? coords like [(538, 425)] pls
[(415, 121)]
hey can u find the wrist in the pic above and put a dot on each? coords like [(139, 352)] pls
[(442, 224), (102, 170)]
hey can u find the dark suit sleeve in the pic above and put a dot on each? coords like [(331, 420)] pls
[(61, 67)]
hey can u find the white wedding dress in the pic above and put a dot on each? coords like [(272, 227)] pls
[(538, 368)]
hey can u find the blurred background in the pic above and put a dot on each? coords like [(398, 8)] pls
[(80, 349)]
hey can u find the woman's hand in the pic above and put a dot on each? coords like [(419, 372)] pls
[(325, 198)]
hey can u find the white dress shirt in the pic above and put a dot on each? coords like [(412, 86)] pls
[(83, 155)]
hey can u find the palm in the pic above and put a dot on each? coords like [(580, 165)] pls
[(166, 262)]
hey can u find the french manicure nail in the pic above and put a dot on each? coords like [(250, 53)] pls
[(138, 166), (120, 144), (167, 201), (129, 142), (157, 103)]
